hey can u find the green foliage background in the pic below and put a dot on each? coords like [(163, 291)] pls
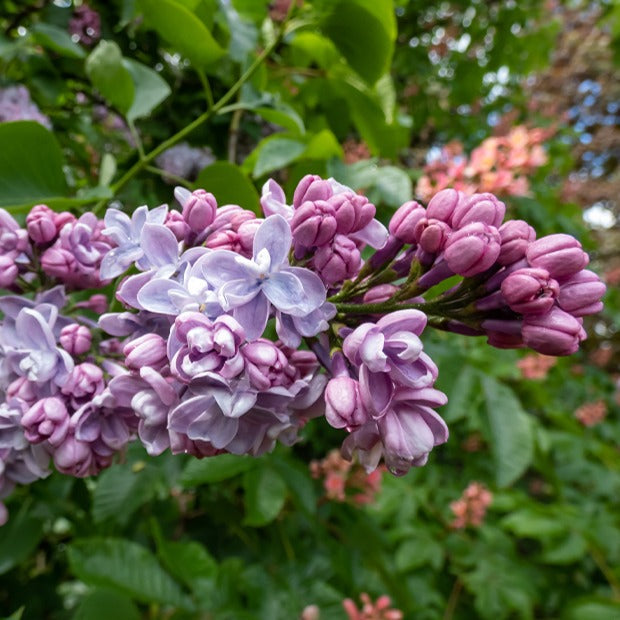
[(237, 538)]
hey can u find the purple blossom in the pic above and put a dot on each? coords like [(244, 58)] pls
[(16, 105), (249, 287), (47, 420)]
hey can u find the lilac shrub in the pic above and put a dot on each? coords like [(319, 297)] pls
[(237, 330)]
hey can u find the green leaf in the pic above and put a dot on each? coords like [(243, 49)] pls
[(18, 538), (534, 523), (364, 32), (215, 469), (286, 118), (323, 145), (460, 396), (265, 494), (105, 69), (413, 554), (512, 439), (229, 184), (57, 40), (592, 608), (187, 561), (126, 567), (393, 187), (30, 165), (299, 482), (17, 614), (107, 169), (120, 491), (567, 551), (182, 30), (150, 89), (243, 33), (275, 153), (98, 603)]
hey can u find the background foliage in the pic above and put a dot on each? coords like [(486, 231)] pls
[(363, 91)]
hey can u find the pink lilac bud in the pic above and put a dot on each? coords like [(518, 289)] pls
[(178, 226), (312, 187), (338, 261), (230, 217), (581, 294), (8, 271), (266, 364), (379, 293), (353, 212), (48, 419), (75, 339), (40, 224), (247, 231), (62, 218), (314, 223), (23, 389), (199, 210), (432, 235), (554, 333), (344, 405), (404, 220), (516, 237), (442, 205), (4, 514), (530, 291), (472, 249), (97, 303), (85, 381), (561, 255), (74, 457), (485, 208), (59, 263), (148, 350)]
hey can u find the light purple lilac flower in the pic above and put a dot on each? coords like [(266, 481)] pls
[(16, 105), (250, 287)]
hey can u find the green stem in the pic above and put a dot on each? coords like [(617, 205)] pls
[(143, 162), (206, 87)]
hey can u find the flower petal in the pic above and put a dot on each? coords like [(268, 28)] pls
[(274, 235), (375, 234), (222, 266), (160, 246), (237, 293), (286, 293), (253, 316), (155, 296)]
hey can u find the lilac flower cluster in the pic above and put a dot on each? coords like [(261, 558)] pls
[(184, 161), (16, 105), (85, 25), (237, 329)]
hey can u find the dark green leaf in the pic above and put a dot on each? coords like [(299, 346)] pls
[(228, 183), (299, 482), (57, 40), (126, 567), (182, 30), (265, 494), (18, 538), (30, 165), (460, 396), (275, 153), (97, 606), (393, 187), (215, 469), (150, 88), (105, 68), (592, 608), (364, 32), (187, 561), (512, 439)]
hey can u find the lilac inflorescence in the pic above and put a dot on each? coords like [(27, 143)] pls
[(236, 330)]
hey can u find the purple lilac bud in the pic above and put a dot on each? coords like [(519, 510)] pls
[(379, 293), (40, 224), (472, 249), (147, 350), (404, 220), (353, 212), (581, 294), (554, 333), (47, 420), (13, 239), (344, 406), (97, 303), (74, 458), (8, 271), (561, 255), (530, 291), (23, 390), (485, 208), (432, 235), (4, 514), (62, 218), (266, 364), (516, 236), (75, 339), (178, 226), (443, 203), (59, 263), (198, 346), (311, 188), (85, 381), (314, 223), (199, 208), (339, 261)]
